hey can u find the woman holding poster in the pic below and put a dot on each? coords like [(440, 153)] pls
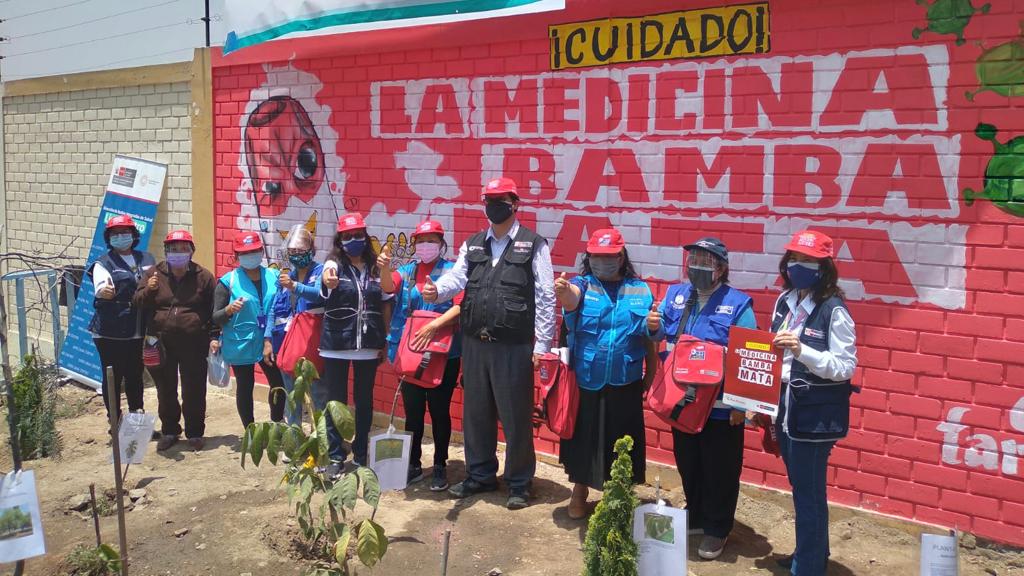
[(604, 309), (816, 333), (710, 461)]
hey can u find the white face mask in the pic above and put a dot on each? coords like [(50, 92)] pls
[(428, 251)]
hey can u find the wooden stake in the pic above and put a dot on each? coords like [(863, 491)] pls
[(95, 514), (113, 403), (444, 550)]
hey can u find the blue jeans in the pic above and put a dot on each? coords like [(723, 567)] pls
[(806, 466)]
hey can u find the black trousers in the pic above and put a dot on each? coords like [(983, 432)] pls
[(497, 381), (603, 417), (125, 357), (186, 354), (335, 379), (417, 400), (710, 464), (245, 383)]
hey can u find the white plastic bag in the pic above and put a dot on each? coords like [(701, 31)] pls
[(218, 373)]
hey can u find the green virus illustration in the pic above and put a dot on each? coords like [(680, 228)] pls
[(1004, 175), (1001, 69), (949, 17)]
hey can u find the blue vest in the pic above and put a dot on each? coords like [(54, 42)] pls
[(411, 299), (117, 317), (288, 303), (608, 337), (711, 323), (815, 409), (242, 336), (353, 314)]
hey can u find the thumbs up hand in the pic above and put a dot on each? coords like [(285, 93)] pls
[(562, 287), (429, 291), (384, 259), (330, 277), (106, 292), (654, 319)]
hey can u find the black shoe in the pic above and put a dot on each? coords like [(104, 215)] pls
[(359, 461), (334, 470), (518, 498), (415, 474), (785, 561), (439, 481), (468, 487)]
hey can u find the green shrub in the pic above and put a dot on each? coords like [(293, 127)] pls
[(88, 561), (609, 549), (35, 398)]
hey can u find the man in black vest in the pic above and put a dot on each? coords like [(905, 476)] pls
[(507, 323)]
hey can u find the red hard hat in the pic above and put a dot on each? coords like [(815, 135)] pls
[(428, 227), (811, 243), (122, 220), (351, 221), (179, 236), (247, 242), (501, 186)]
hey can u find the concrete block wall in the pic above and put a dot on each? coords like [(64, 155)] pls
[(859, 120), (58, 150)]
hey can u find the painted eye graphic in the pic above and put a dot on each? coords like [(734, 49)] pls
[(306, 163)]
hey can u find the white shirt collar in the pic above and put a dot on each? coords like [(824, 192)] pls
[(807, 303), (511, 232)]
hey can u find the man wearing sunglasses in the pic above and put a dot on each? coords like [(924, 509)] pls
[(507, 322)]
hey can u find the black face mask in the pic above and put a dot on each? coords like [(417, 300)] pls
[(702, 278), (498, 211)]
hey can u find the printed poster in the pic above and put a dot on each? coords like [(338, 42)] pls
[(389, 459), (939, 555), (660, 535), (133, 437), (21, 529), (753, 371), (135, 188)]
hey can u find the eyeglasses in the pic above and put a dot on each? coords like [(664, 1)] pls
[(345, 236)]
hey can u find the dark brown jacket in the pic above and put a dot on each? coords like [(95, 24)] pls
[(178, 307)]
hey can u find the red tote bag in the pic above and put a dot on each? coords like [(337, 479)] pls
[(685, 390), (559, 399), (302, 340), (424, 367)]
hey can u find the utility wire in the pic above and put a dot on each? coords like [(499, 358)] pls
[(143, 8), (105, 64), (46, 10), (52, 48)]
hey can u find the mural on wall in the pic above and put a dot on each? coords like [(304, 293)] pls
[(747, 122)]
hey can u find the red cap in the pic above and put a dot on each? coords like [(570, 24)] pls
[(428, 227), (178, 236), (351, 221), (500, 186), (812, 243), (247, 242), (606, 241), (121, 220)]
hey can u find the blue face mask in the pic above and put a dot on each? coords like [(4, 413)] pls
[(121, 241), (301, 260), (251, 260), (803, 274), (354, 248)]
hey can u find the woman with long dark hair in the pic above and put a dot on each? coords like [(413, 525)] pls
[(817, 336), (406, 284), (354, 332), (614, 361)]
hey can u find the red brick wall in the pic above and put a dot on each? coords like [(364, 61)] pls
[(849, 125)]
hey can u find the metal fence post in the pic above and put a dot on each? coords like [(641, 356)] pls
[(54, 284), (19, 289)]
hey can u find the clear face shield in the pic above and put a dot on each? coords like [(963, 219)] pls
[(299, 247), (703, 269)]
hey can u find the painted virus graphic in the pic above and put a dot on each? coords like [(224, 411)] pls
[(1001, 69), (1004, 175), (949, 17)]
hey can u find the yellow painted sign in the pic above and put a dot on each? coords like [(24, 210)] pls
[(720, 31)]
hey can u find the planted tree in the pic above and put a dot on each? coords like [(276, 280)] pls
[(609, 548), (323, 509)]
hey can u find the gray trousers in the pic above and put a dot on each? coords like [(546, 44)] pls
[(498, 385)]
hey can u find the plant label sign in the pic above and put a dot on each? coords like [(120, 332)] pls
[(21, 530), (939, 555), (660, 535), (134, 434), (389, 459), (753, 371)]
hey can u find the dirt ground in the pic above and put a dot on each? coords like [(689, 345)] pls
[(238, 521)]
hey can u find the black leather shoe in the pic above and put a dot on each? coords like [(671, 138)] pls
[(518, 498), (468, 487)]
